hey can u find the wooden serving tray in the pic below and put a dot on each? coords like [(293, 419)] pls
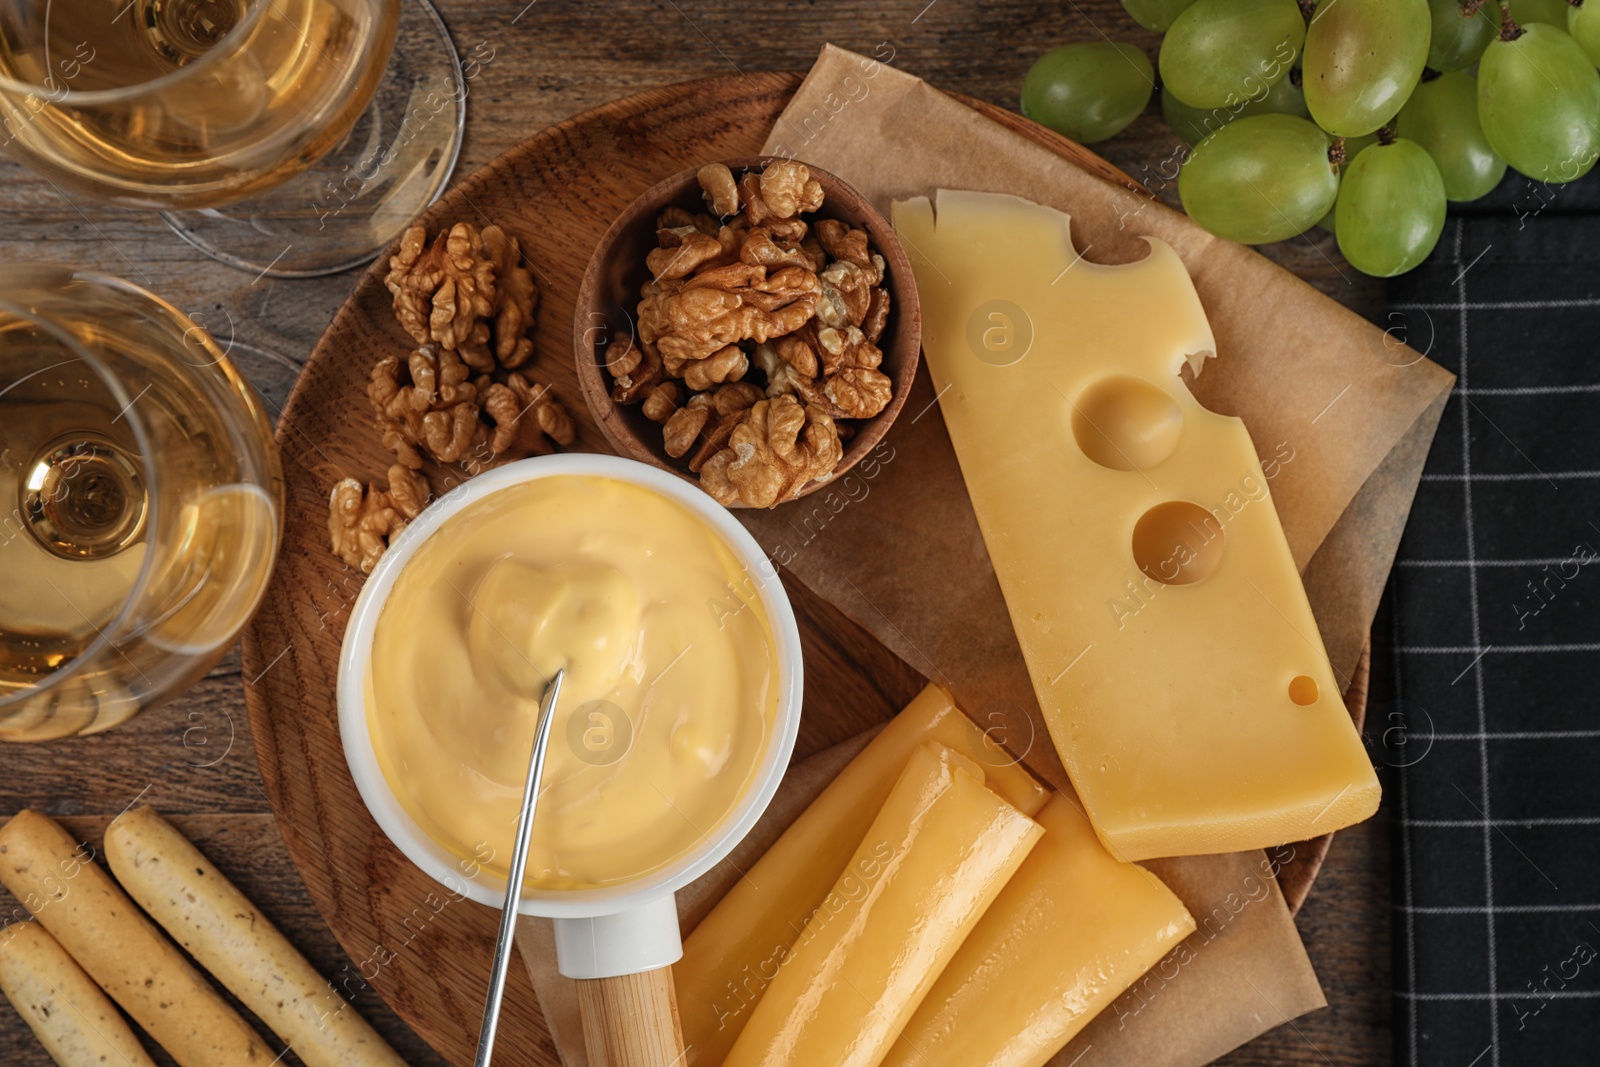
[(558, 191)]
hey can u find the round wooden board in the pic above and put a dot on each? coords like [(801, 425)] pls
[(428, 956)]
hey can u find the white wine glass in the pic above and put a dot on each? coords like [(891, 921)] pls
[(290, 137), (140, 502)]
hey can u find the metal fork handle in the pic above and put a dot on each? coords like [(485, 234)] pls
[(519, 864)]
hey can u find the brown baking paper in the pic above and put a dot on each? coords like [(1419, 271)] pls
[(1342, 415), (1326, 396)]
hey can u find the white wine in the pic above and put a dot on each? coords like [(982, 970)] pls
[(212, 573), (91, 94), (139, 502), (72, 544)]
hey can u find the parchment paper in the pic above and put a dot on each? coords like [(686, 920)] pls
[(1342, 415), (1311, 379)]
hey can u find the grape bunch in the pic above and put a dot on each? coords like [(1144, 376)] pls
[(1366, 117)]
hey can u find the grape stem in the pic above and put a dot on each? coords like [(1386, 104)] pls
[(1336, 153), (1386, 135), (1509, 30), (1470, 8)]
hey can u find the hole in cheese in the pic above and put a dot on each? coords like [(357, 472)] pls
[(1126, 423), (1178, 543), (1303, 691)]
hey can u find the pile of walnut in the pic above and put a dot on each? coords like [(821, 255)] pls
[(757, 291), (461, 396)]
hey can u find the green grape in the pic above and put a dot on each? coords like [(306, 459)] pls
[(1222, 52), (1583, 22), (1459, 39), (1351, 147), (1390, 210), (1549, 12), (1195, 124), (1363, 58), (1442, 117), (1088, 92), (1156, 15), (1259, 179), (1539, 103)]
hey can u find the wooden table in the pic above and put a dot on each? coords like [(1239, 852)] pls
[(192, 758)]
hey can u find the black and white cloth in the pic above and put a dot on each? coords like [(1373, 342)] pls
[(1487, 667)]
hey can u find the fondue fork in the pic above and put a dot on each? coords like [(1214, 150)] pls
[(519, 863)]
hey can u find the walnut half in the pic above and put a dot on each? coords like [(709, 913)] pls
[(362, 521), (528, 419), (835, 370), (704, 423), (467, 292), (774, 450), (428, 408)]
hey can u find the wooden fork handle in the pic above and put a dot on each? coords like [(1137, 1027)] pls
[(631, 1020)]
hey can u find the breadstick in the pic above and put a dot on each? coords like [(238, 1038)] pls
[(217, 925), (69, 1015), (120, 949)]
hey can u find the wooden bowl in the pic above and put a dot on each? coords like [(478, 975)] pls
[(609, 296)]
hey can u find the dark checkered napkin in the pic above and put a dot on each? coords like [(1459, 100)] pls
[(1488, 670)]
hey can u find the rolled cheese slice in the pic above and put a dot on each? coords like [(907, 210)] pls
[(66, 1011), (120, 949), (731, 956), (1071, 930), (939, 851), (217, 925)]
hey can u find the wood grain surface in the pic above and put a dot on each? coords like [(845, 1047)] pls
[(559, 191), (195, 757), (631, 1020)]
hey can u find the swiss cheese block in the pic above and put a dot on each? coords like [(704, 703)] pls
[(733, 954), (932, 861), (1164, 624), (1072, 929)]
